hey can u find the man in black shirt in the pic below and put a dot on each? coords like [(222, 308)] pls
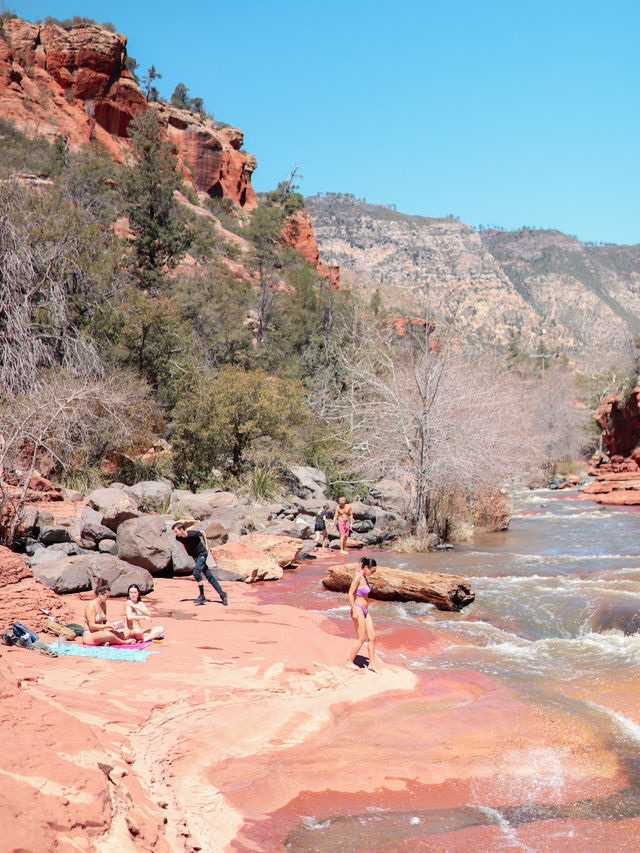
[(195, 545)]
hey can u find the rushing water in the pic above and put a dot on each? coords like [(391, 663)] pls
[(557, 598)]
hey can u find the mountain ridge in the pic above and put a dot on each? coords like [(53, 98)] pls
[(541, 287)]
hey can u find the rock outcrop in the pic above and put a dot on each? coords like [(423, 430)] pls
[(74, 84), (617, 472), (299, 234), (446, 592)]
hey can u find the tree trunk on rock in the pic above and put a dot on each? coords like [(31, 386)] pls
[(446, 592)]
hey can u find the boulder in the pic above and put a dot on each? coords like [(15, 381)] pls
[(446, 592), (202, 505), (73, 495), (84, 571), (97, 532), (29, 521), (183, 564), (102, 499), (334, 543), (108, 546), (91, 516), (364, 512), (144, 542), (121, 511), (151, 494), (285, 550), (282, 527), (216, 532), (238, 561), (54, 533), (391, 494), (55, 552), (306, 482)]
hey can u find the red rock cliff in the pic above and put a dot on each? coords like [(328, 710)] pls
[(299, 234), (74, 83)]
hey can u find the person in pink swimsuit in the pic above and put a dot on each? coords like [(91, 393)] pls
[(359, 600)]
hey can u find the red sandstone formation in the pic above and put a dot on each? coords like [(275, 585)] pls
[(74, 83), (299, 234), (618, 476)]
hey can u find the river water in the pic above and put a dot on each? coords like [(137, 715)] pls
[(526, 714)]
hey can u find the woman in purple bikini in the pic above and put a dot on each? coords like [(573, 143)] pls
[(362, 622)]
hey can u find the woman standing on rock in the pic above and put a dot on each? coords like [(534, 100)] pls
[(134, 613), (362, 622), (98, 631)]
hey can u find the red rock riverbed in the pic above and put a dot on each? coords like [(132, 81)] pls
[(245, 732)]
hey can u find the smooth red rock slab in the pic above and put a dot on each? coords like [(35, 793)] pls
[(285, 550)]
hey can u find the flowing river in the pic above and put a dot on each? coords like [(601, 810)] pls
[(525, 727)]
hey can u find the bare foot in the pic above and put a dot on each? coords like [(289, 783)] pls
[(351, 665)]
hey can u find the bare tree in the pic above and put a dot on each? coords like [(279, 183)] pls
[(428, 415), (73, 419), (44, 287)]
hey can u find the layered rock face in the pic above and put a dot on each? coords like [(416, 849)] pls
[(74, 83), (618, 473), (300, 235), (487, 286)]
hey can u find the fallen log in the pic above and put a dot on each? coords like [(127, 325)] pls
[(446, 592)]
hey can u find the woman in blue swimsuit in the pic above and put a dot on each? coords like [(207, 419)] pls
[(362, 622)]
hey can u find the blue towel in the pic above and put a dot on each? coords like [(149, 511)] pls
[(103, 652)]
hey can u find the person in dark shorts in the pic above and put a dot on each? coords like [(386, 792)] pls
[(195, 545), (320, 525)]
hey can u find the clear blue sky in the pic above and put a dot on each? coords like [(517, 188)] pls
[(505, 112)]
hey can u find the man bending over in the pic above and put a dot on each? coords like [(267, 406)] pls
[(195, 545)]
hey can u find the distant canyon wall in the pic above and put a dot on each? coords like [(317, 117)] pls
[(506, 288)]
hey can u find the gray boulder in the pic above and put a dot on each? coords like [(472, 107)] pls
[(144, 542), (306, 482), (50, 534), (91, 516), (97, 532), (151, 494), (283, 527), (54, 552), (121, 511), (84, 571), (391, 494), (102, 499), (108, 546), (364, 512), (202, 505)]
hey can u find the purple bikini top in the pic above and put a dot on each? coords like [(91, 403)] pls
[(364, 590)]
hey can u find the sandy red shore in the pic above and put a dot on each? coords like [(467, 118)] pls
[(245, 723)]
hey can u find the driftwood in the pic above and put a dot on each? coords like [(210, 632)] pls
[(446, 592)]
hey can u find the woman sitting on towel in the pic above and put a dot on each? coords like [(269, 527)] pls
[(135, 612), (98, 631)]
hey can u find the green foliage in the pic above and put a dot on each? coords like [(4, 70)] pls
[(132, 66), (147, 83), (215, 307), (286, 196), (161, 239), (219, 418), (265, 483)]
